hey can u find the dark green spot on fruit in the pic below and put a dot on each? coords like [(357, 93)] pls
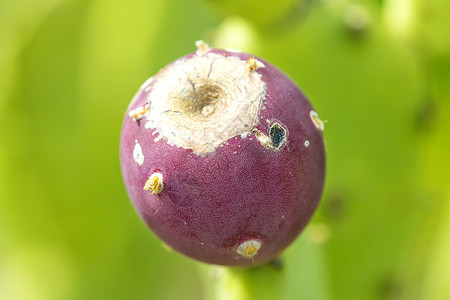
[(277, 135)]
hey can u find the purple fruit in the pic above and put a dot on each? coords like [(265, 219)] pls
[(223, 157)]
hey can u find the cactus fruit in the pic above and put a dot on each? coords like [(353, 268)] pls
[(223, 157)]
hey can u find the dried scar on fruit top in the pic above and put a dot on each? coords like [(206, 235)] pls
[(202, 101)]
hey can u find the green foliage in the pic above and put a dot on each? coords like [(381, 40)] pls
[(377, 71), (264, 13)]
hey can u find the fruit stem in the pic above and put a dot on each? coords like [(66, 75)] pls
[(301, 273), (262, 282)]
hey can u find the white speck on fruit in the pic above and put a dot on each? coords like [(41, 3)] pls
[(155, 183), (156, 139), (253, 64), (202, 47), (198, 103), (249, 249), (244, 135), (137, 153), (316, 120), (306, 143), (138, 113)]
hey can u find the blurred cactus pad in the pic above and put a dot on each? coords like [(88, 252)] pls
[(378, 71)]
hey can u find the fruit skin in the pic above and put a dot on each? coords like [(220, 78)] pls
[(242, 191)]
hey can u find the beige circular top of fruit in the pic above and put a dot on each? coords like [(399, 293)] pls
[(202, 101)]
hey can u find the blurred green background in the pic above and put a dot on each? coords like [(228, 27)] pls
[(377, 70)]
